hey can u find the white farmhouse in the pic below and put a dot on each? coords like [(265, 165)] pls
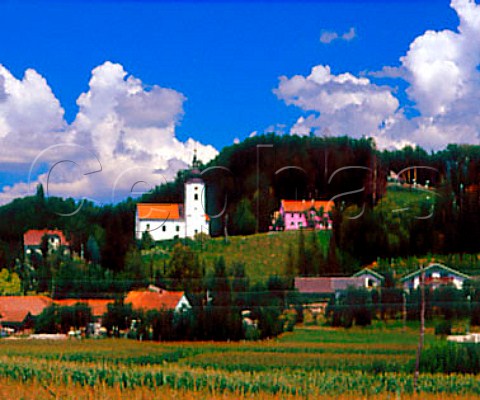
[(166, 221), (436, 275)]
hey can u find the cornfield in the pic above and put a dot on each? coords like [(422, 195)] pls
[(118, 368)]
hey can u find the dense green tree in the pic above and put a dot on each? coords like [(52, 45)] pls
[(93, 250), (353, 306), (184, 270), (119, 316), (135, 269), (73, 317), (243, 220), (47, 322)]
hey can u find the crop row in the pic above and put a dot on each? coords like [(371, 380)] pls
[(242, 361), (177, 377)]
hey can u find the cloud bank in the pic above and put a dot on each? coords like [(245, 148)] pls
[(441, 70), (121, 141)]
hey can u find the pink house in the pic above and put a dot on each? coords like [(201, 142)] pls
[(296, 214)]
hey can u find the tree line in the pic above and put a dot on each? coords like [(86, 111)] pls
[(248, 180)]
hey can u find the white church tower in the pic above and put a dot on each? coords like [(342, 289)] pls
[(196, 220)]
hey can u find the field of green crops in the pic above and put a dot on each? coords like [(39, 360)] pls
[(311, 363)]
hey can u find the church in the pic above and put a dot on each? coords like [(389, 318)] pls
[(166, 221)]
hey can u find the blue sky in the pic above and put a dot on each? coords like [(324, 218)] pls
[(224, 57)]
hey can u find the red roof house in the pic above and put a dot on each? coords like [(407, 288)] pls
[(298, 214), (33, 237), (15, 310), (157, 300), (98, 306), (32, 240)]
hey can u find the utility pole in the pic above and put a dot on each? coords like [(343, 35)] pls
[(422, 328)]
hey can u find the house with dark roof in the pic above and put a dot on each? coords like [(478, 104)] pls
[(435, 275), (166, 221), (56, 240), (298, 214), (372, 279), (326, 287)]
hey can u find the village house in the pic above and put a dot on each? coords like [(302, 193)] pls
[(19, 312), (316, 292), (166, 221), (56, 241), (158, 299), (298, 214), (372, 279), (97, 306), (327, 286), (435, 275)]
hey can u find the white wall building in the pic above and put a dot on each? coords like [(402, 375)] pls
[(166, 221), (436, 275)]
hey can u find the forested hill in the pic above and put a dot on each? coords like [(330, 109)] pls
[(250, 178)]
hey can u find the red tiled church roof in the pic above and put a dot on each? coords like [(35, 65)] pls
[(33, 237), (160, 211)]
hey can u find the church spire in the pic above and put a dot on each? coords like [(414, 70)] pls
[(195, 162)]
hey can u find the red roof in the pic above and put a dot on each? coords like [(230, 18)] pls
[(16, 308), (144, 300), (326, 285), (160, 211), (33, 237), (305, 205), (98, 306)]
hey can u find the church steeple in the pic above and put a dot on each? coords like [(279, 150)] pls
[(195, 162)]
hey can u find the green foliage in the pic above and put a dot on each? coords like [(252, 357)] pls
[(443, 328), (118, 316), (47, 321), (77, 316), (244, 219), (10, 283), (302, 259), (134, 270), (353, 306), (449, 357), (54, 319), (93, 250), (184, 270), (147, 241)]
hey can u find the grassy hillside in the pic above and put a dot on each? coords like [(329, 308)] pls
[(266, 254), (406, 196), (263, 254)]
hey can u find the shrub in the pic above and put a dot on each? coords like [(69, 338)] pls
[(449, 357), (443, 328)]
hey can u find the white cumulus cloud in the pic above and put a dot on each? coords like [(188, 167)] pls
[(441, 70), (122, 139), (344, 103)]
